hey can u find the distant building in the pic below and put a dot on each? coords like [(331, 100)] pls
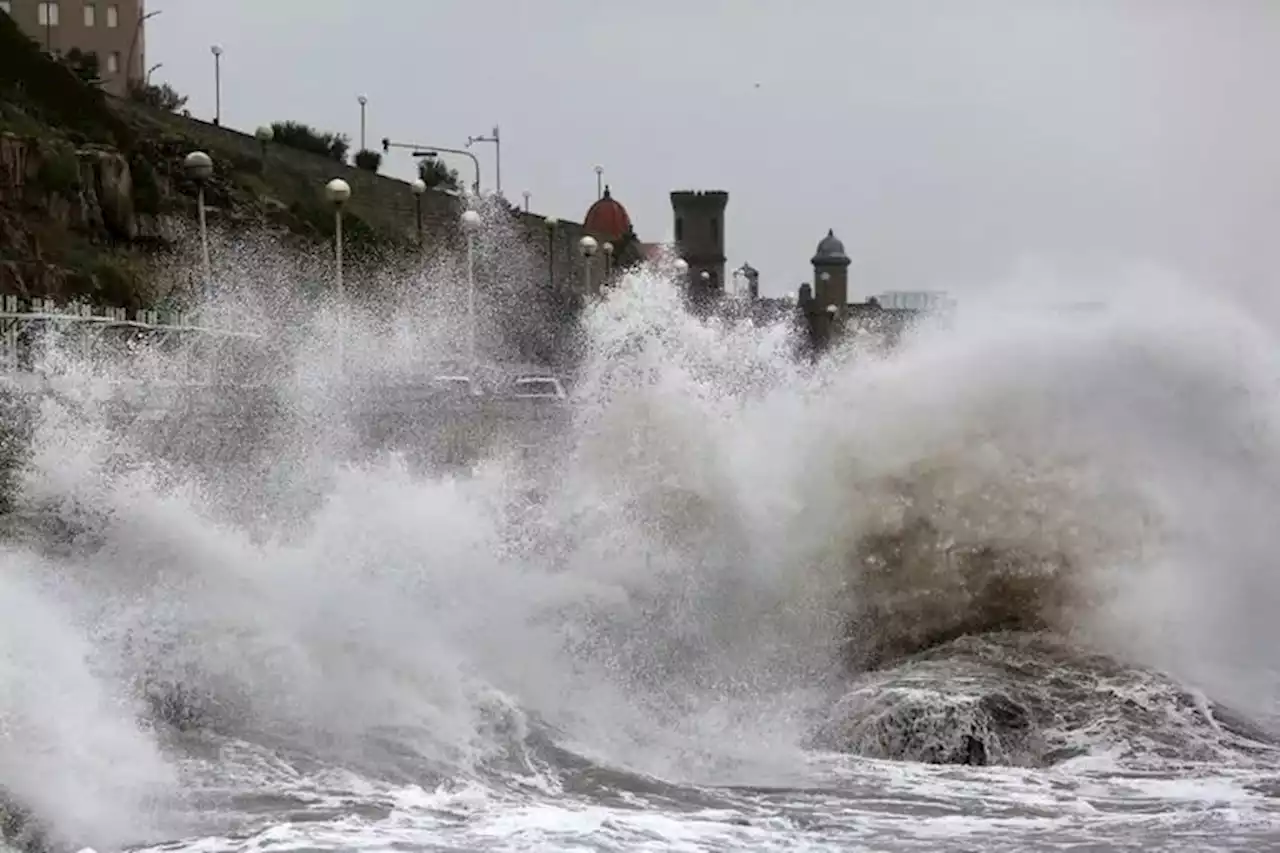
[(111, 30)]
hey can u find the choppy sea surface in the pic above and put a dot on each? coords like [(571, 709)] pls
[(1008, 585)]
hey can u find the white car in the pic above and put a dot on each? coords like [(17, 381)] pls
[(537, 388)]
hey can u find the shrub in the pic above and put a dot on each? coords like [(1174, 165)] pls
[(84, 65), (161, 97), (298, 135), (436, 175), (119, 281), (368, 160), (146, 187), (59, 170)]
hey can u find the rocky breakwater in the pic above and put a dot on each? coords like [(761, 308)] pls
[(70, 217)]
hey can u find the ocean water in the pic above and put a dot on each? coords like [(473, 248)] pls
[(1008, 586)]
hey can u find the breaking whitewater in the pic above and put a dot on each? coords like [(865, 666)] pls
[(1012, 586)]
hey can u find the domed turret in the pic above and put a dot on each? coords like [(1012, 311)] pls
[(831, 272), (830, 251), (607, 218)]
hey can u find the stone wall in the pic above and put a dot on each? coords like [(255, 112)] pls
[(385, 203)]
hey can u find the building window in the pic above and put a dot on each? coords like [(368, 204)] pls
[(47, 14), (113, 62), (90, 15), (113, 16), (679, 228)]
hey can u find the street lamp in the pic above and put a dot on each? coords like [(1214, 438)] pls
[(471, 223), (599, 182), (133, 46), (264, 135), (682, 269), (608, 260), (199, 167), (338, 192), (216, 50), (552, 224), (496, 139), (587, 246), (364, 101), (419, 187), (152, 70)]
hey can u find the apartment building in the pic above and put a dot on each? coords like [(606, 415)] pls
[(112, 29)]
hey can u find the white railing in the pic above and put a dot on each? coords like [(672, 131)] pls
[(88, 331)]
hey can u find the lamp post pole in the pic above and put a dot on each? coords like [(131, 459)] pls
[(364, 102), (552, 222), (217, 83), (587, 246), (471, 224), (599, 182), (527, 196), (425, 150), (338, 192), (608, 262), (419, 187), (199, 167)]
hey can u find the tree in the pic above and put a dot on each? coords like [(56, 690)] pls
[(436, 175), (162, 97), (295, 134), (84, 64), (368, 160)]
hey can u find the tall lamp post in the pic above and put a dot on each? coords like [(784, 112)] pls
[(147, 78), (338, 192), (552, 223), (419, 187), (496, 139), (364, 102), (199, 167), (216, 50), (608, 262), (682, 270), (587, 246), (471, 223), (599, 182), (133, 46)]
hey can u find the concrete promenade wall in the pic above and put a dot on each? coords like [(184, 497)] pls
[(385, 203)]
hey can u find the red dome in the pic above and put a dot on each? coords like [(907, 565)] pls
[(607, 218)]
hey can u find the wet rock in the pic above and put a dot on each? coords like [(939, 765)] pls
[(915, 723)]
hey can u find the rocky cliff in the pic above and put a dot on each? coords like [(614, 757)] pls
[(93, 197)]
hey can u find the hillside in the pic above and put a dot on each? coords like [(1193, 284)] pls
[(93, 195)]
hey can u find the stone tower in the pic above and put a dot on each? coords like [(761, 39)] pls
[(830, 273), (699, 233)]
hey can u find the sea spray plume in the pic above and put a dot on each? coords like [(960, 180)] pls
[(676, 596), (71, 752)]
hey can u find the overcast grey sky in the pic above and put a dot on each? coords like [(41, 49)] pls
[(943, 141)]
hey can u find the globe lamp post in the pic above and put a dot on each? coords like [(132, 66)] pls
[(199, 167), (338, 192), (471, 223)]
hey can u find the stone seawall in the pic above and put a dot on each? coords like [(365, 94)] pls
[(383, 202)]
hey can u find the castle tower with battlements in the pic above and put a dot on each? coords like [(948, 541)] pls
[(699, 234)]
